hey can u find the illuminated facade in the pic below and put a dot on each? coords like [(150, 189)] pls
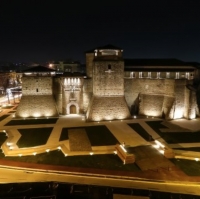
[(112, 88)]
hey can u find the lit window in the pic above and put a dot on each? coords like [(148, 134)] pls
[(158, 75), (149, 74), (187, 75), (140, 74), (167, 74), (177, 75), (132, 74)]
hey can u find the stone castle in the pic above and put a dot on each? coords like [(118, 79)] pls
[(112, 88)]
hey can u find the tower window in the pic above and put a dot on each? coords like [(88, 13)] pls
[(109, 67), (36, 89)]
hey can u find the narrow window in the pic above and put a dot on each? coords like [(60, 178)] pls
[(36, 89), (177, 75), (187, 75), (167, 74), (109, 67)]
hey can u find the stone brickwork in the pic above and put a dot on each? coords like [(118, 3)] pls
[(37, 106), (133, 87), (89, 64), (151, 105), (37, 99), (108, 82), (87, 94), (72, 95), (57, 92), (107, 108), (160, 97), (181, 97), (37, 85)]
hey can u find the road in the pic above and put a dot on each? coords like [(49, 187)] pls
[(12, 175)]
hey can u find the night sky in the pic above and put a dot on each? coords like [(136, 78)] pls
[(45, 30)]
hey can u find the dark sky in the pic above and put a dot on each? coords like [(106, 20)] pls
[(44, 30)]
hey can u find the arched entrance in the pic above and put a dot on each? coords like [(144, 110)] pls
[(72, 109)]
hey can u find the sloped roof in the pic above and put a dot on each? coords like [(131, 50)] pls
[(155, 62), (74, 74), (39, 69)]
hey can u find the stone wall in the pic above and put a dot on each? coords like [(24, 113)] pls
[(37, 85), (160, 97), (133, 87), (87, 94), (107, 108), (151, 105), (89, 64), (108, 82), (57, 92), (181, 98), (37, 106)]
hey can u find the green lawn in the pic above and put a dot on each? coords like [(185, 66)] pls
[(12, 111), (98, 135), (190, 167), (141, 131), (3, 138), (33, 137), (64, 134), (3, 117), (174, 137), (32, 121), (196, 149), (110, 162)]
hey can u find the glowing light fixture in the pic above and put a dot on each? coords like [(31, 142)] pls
[(159, 143), (123, 148)]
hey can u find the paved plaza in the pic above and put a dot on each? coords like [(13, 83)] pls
[(119, 128)]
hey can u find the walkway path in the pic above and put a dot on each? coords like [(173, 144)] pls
[(119, 129)]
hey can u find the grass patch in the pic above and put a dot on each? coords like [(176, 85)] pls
[(3, 138), (3, 117), (98, 135), (64, 134), (189, 167), (33, 137), (12, 112), (141, 131), (32, 121), (195, 149), (110, 162), (174, 137)]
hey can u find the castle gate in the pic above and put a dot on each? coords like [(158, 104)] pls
[(72, 108)]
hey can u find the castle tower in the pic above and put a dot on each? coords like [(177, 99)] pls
[(107, 72), (72, 84), (37, 95)]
